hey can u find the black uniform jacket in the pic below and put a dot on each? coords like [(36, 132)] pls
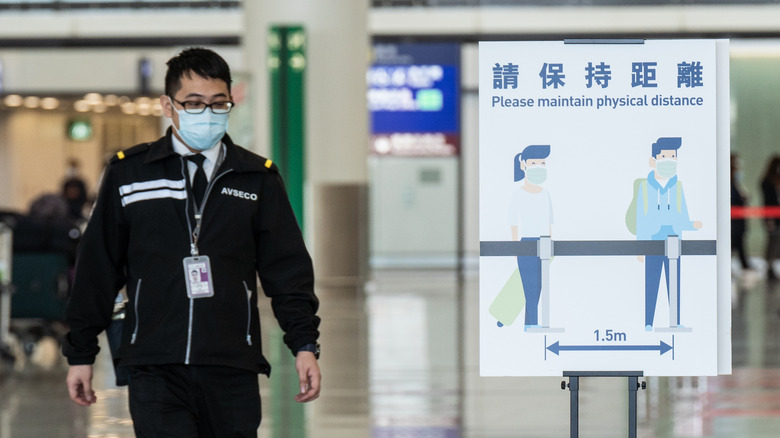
[(138, 235)]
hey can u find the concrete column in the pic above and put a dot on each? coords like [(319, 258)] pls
[(335, 207)]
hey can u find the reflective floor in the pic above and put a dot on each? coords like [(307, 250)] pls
[(400, 359)]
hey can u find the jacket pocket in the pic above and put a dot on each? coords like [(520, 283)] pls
[(248, 314), (135, 312)]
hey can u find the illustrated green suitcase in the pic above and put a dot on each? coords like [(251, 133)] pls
[(509, 301)]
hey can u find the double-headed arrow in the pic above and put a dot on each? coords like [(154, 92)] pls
[(662, 347)]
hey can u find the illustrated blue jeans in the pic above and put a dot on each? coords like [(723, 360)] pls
[(530, 268), (653, 266)]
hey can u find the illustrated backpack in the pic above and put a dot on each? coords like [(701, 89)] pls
[(641, 184)]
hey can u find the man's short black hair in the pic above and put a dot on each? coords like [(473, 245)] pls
[(202, 62)]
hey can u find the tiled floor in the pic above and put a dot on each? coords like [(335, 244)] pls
[(401, 360)]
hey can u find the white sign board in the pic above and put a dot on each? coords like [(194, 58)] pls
[(600, 195)]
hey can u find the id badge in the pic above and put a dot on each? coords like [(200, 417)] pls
[(197, 274)]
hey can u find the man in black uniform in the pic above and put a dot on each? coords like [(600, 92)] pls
[(186, 224)]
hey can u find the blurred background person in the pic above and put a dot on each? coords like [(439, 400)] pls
[(74, 190), (739, 198), (770, 187), (47, 227)]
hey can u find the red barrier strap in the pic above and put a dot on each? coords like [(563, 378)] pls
[(761, 212)]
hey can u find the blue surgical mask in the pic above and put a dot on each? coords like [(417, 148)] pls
[(536, 174), (201, 131), (666, 168)]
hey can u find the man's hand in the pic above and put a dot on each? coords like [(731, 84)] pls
[(79, 382), (308, 375)]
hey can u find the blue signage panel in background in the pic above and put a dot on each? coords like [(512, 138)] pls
[(414, 99)]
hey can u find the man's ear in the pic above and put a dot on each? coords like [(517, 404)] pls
[(652, 162), (167, 107)]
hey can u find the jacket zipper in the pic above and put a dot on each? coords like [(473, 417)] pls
[(135, 309), (248, 314), (202, 208), (189, 334)]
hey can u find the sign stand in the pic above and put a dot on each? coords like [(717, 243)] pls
[(574, 387)]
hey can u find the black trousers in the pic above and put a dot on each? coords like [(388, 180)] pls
[(182, 401)]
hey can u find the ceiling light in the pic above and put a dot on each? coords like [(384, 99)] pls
[(110, 99), (81, 106), (13, 100), (32, 102), (128, 108), (93, 98), (50, 103)]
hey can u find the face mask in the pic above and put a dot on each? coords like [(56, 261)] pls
[(536, 174), (201, 131), (666, 168)]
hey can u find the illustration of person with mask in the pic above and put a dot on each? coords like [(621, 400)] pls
[(661, 211), (531, 216)]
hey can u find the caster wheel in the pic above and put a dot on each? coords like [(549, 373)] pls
[(498, 323)]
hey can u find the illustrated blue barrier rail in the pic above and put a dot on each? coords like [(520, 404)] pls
[(545, 248)]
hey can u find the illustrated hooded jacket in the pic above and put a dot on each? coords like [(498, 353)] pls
[(663, 212), (140, 232)]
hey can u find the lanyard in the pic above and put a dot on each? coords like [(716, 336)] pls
[(194, 243), (199, 212)]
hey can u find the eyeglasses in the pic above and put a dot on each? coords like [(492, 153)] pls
[(195, 107)]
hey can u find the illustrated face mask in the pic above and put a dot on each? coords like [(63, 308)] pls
[(536, 174), (201, 131), (666, 168)]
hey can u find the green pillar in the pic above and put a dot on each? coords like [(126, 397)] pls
[(287, 65)]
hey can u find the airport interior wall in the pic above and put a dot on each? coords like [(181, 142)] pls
[(102, 52)]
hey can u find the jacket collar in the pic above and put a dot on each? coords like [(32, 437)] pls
[(653, 182), (236, 158)]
